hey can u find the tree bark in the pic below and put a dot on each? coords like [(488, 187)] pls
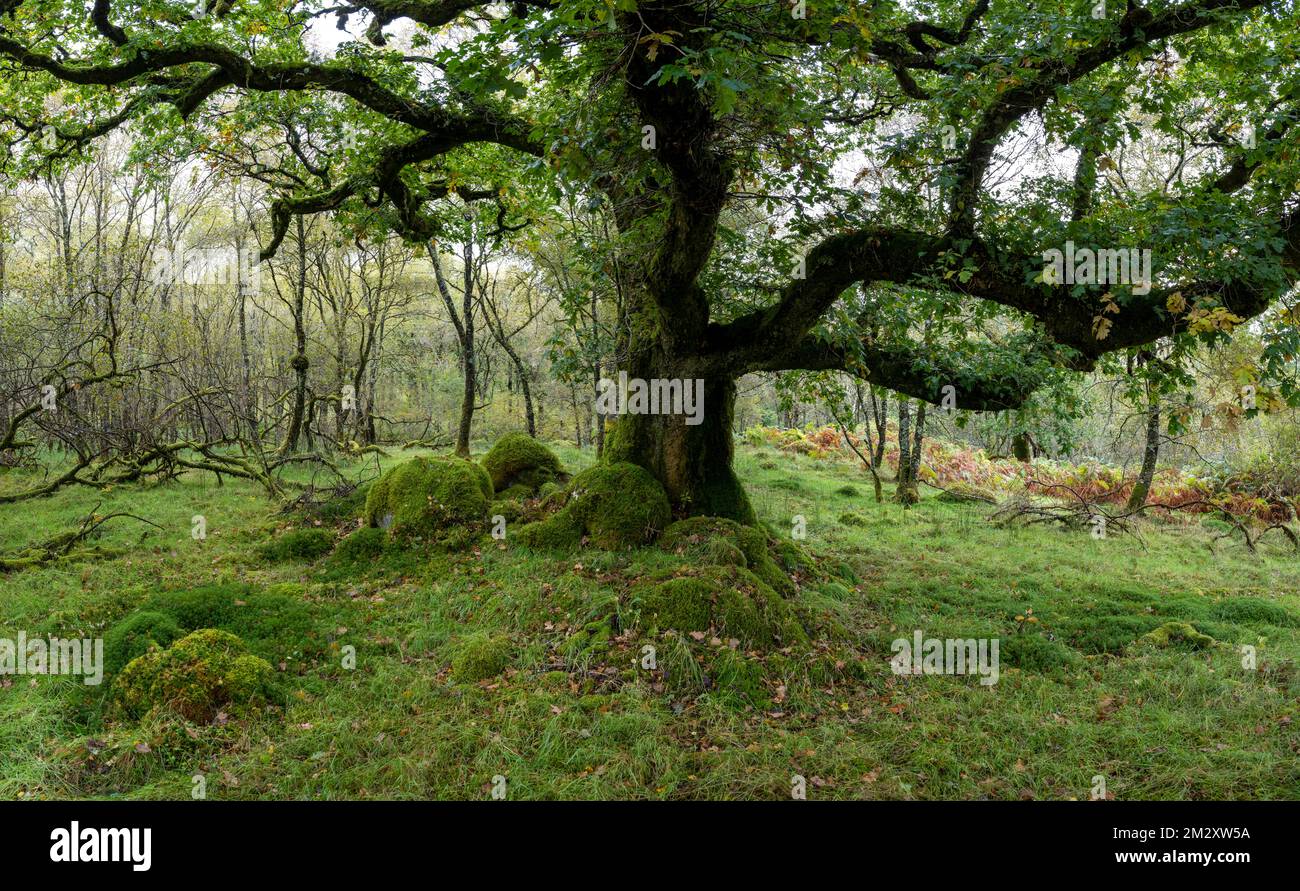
[(300, 363), (1142, 487)]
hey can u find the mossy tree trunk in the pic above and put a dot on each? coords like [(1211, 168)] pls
[(693, 461), (1150, 455)]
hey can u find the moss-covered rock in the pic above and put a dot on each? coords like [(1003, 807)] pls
[(849, 518), (725, 601), (136, 635), (481, 656), (520, 465), (1178, 634), (717, 541), (443, 500), (298, 544), (614, 506), (196, 677)]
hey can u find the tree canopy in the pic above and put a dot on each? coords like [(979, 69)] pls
[(865, 187)]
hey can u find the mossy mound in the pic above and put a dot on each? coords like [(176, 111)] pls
[(481, 656), (196, 677), (136, 635), (443, 500), (722, 601), (298, 544), (853, 519), (614, 506), (275, 625), (1178, 634), (1036, 653), (366, 544), (1253, 611), (717, 541), (520, 465)]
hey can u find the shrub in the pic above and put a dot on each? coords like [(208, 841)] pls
[(199, 675)]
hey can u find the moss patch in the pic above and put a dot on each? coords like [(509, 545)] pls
[(1178, 634), (481, 656), (442, 500), (198, 676), (136, 635), (366, 544), (1253, 611), (520, 465), (723, 601), (298, 544), (614, 506), (718, 541)]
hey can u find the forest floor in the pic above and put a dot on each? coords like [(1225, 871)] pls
[(1079, 695)]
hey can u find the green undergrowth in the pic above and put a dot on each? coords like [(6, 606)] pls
[(702, 660)]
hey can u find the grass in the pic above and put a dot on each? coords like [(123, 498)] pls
[(1079, 695)]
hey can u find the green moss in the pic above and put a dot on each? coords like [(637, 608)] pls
[(362, 546), (1178, 634), (554, 680), (444, 500), (726, 601), (1106, 634), (853, 519), (1034, 652), (521, 464), (614, 506), (848, 491), (1253, 611), (199, 675), (277, 626), (136, 635), (481, 656), (510, 510), (718, 541), (737, 673), (592, 639), (298, 544)]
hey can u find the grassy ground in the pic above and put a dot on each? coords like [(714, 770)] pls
[(1077, 698)]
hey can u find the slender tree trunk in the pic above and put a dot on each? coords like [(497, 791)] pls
[(469, 366), (918, 436), (1143, 485), (880, 411), (905, 486), (300, 363)]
